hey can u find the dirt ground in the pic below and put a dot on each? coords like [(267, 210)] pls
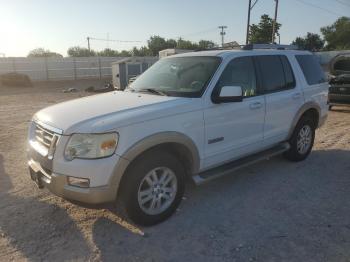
[(272, 211)]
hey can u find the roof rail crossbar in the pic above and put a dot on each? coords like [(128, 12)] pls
[(270, 46)]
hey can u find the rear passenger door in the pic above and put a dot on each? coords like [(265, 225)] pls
[(283, 96)]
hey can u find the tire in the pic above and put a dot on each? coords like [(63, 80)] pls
[(330, 108), (300, 153), (138, 179)]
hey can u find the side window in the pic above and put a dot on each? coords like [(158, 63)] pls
[(288, 72), (240, 72), (272, 72), (312, 69)]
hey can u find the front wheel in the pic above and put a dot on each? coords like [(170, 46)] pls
[(302, 140), (153, 188)]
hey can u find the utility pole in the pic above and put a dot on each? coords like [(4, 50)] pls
[(222, 33), (274, 23), (88, 39), (248, 22), (250, 7)]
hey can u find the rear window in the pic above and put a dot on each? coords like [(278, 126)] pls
[(312, 69)]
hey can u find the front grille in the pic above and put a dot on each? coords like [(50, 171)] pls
[(44, 136), (46, 140)]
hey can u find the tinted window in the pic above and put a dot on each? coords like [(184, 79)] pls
[(272, 72), (312, 69), (288, 72), (240, 72)]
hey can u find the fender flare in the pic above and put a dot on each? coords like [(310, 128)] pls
[(301, 111), (149, 142), (163, 138)]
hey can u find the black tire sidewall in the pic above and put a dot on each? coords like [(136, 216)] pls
[(293, 153), (135, 174)]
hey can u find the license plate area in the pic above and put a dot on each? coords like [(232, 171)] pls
[(36, 177), (39, 175)]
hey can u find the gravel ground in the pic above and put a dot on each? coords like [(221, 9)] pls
[(272, 211)]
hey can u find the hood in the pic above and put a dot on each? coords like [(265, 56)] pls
[(105, 112)]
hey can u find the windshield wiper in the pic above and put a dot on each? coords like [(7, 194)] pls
[(153, 91)]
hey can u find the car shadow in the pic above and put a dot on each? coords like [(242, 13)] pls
[(271, 211), (38, 230)]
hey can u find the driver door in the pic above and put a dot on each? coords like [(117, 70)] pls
[(235, 129)]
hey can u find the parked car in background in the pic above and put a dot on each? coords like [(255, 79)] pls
[(195, 115), (339, 90)]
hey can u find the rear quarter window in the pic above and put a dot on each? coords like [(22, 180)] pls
[(311, 69)]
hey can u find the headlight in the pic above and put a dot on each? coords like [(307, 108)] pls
[(91, 146)]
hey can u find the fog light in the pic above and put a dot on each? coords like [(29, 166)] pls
[(79, 182)]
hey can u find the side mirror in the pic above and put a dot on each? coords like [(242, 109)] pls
[(228, 94)]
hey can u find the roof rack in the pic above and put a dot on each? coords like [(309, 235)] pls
[(254, 46), (270, 46)]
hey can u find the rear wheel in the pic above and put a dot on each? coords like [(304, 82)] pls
[(153, 188), (302, 140)]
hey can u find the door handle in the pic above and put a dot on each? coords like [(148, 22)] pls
[(255, 105), (296, 95)]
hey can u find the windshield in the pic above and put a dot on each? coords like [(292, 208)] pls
[(178, 76)]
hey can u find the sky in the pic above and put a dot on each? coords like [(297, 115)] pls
[(58, 25)]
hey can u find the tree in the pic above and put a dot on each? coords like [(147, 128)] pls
[(205, 44), (108, 52), (262, 33), (156, 44), (185, 44), (171, 43), (311, 42), (337, 35), (143, 51), (78, 51), (125, 53), (41, 52)]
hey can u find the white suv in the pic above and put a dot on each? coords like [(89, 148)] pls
[(197, 115)]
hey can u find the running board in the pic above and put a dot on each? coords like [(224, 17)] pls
[(237, 164)]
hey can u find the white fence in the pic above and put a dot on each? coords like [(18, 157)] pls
[(73, 68), (67, 68)]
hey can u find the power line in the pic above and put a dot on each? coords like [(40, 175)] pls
[(198, 33), (109, 40), (256, 1), (340, 2), (319, 7), (112, 40)]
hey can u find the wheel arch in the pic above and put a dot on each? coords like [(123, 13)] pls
[(176, 143), (311, 109)]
